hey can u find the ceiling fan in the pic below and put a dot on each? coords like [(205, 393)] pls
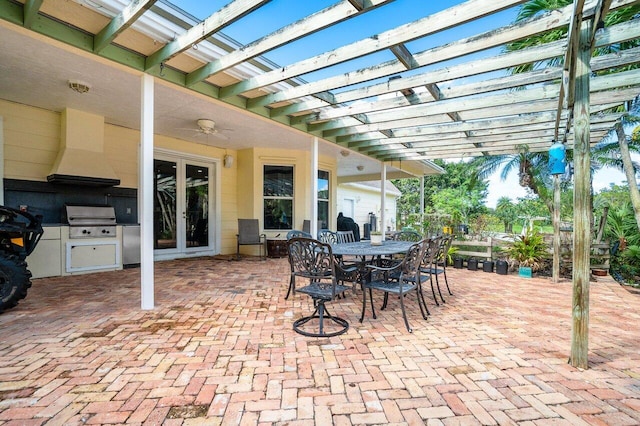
[(208, 127)]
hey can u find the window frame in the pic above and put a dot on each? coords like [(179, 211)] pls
[(290, 198), (324, 200)]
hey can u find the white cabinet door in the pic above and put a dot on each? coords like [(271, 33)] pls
[(46, 259), (92, 255)]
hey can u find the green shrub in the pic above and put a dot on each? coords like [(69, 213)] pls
[(529, 250)]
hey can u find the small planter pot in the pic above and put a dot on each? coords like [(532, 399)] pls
[(525, 272), (376, 240), (458, 262), (487, 266), (502, 267), (472, 264)]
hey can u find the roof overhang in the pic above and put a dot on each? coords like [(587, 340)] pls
[(454, 100)]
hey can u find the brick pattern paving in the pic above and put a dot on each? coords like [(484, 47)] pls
[(219, 349)]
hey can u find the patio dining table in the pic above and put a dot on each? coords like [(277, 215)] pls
[(365, 248), (369, 253)]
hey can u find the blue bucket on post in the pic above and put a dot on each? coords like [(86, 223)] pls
[(557, 159)]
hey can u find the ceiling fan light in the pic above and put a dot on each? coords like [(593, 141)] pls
[(206, 125), (79, 86)]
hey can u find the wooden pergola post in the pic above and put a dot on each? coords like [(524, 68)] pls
[(556, 229), (582, 206)]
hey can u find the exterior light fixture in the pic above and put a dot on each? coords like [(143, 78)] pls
[(228, 161), (79, 86)]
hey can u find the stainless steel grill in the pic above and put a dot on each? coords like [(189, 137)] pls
[(91, 221)]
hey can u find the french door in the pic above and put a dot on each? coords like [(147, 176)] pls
[(183, 206)]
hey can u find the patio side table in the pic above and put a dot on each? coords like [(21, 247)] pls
[(277, 247)]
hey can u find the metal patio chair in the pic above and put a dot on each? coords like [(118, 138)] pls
[(399, 280), (440, 261), (327, 237), (345, 237), (429, 266), (297, 233), (407, 236), (313, 260), (249, 235)]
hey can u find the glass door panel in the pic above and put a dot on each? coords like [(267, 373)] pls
[(196, 205), (165, 205)]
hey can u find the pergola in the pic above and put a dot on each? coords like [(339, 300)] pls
[(453, 100)]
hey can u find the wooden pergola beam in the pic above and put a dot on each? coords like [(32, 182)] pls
[(453, 141), (448, 18), (551, 20), (469, 150), (194, 35), (120, 22), (31, 8), (315, 22), (614, 85), (626, 57)]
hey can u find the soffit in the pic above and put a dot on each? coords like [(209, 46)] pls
[(450, 100)]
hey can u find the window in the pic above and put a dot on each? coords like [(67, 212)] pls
[(278, 197), (323, 198)]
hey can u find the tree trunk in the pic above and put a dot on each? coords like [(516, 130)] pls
[(629, 172)]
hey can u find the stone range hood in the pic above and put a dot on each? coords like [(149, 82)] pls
[(81, 159)]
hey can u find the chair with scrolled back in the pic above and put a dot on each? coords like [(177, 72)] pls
[(294, 233), (428, 267), (400, 280), (346, 270), (439, 262), (313, 260), (327, 237), (412, 236), (297, 233)]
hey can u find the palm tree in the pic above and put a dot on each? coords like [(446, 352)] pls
[(506, 211), (532, 171)]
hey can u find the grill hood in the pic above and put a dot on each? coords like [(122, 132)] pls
[(81, 159)]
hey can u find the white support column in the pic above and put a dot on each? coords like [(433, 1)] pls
[(314, 187), (383, 197), (424, 231), (145, 187), (1, 161)]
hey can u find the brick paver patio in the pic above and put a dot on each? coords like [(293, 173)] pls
[(219, 349)]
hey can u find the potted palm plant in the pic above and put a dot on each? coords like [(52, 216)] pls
[(530, 252)]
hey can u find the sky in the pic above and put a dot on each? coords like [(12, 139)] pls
[(283, 12)]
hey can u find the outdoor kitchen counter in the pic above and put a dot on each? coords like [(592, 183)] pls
[(46, 259)]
